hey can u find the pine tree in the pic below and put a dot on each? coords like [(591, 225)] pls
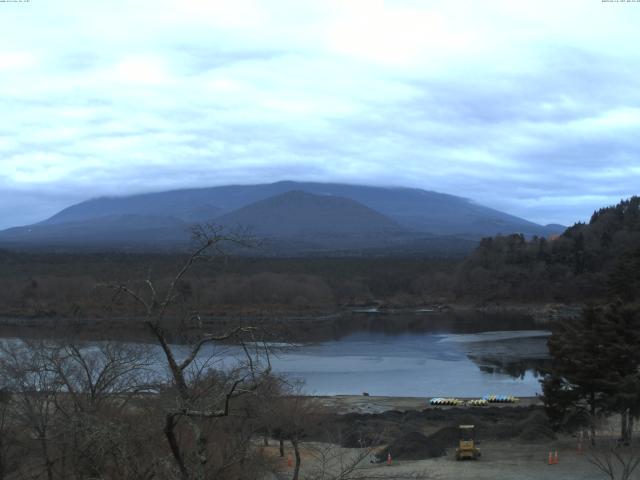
[(580, 363), (597, 363), (624, 282), (621, 325)]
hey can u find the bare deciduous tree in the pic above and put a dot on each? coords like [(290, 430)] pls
[(67, 403), (33, 394), (616, 458), (618, 462), (196, 401)]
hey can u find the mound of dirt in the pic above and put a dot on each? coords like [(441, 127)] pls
[(532, 428), (527, 424), (412, 446), (536, 427), (416, 446), (446, 437)]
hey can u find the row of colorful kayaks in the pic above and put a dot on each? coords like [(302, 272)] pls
[(500, 398), (447, 401), (476, 402)]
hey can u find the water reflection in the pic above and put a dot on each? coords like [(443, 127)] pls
[(401, 354), (515, 369), (421, 363)]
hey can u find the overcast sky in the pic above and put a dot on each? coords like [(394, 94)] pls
[(529, 107)]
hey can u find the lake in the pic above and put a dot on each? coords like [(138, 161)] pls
[(407, 354), (419, 354), (409, 364)]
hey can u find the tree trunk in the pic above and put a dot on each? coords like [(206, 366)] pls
[(47, 461), (173, 443), (1, 458), (281, 447), (201, 451), (296, 469), (178, 375), (265, 438), (592, 405), (624, 427)]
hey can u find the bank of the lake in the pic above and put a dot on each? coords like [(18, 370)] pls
[(304, 325)]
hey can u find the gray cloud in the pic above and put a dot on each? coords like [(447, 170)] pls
[(535, 111)]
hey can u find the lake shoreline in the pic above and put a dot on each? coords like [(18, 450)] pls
[(346, 404), (304, 327), (541, 311)]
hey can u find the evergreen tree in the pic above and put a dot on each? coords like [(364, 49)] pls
[(624, 282), (580, 364), (597, 364), (571, 267), (559, 398), (621, 335)]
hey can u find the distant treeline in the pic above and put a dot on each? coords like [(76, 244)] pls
[(577, 266), (73, 285)]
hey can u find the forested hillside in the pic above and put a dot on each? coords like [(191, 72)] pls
[(576, 266), (581, 265)]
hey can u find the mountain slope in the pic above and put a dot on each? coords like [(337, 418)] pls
[(186, 205), (298, 213), (292, 223), (420, 210), (120, 231), (296, 217)]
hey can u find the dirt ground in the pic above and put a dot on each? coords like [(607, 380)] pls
[(508, 451), (499, 461)]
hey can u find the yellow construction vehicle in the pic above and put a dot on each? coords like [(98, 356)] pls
[(467, 444)]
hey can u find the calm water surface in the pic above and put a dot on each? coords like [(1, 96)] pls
[(412, 355), (420, 364), (445, 361)]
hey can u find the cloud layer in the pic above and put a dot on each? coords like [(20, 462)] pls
[(528, 107)]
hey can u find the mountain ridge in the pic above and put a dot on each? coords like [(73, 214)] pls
[(324, 215)]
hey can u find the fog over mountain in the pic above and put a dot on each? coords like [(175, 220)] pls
[(294, 216), (532, 108)]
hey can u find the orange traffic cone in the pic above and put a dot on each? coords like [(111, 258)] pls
[(389, 458), (550, 462), (289, 462), (555, 460)]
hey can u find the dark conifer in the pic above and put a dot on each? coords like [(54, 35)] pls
[(596, 365)]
